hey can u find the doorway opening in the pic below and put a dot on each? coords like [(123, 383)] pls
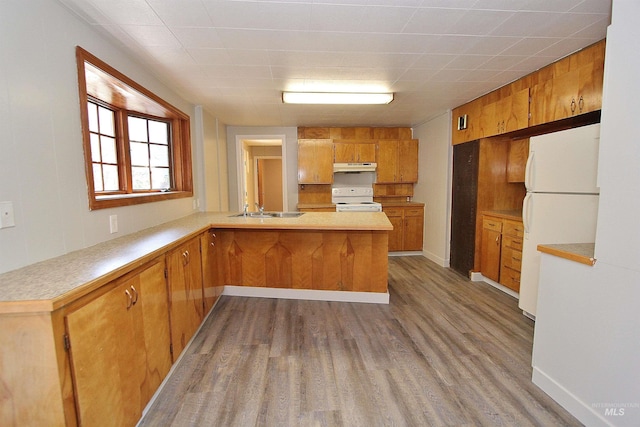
[(261, 173)]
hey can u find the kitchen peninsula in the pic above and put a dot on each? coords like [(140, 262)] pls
[(65, 322)]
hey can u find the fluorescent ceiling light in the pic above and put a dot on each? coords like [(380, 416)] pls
[(336, 98)]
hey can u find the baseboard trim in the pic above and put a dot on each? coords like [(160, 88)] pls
[(307, 294), (586, 414), (478, 277)]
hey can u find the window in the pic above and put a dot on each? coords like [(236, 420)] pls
[(137, 146)]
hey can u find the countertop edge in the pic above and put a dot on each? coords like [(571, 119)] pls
[(126, 253), (578, 252)]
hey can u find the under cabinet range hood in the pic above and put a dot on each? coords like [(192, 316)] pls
[(354, 167)]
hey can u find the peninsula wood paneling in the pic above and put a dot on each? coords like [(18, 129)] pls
[(323, 260)]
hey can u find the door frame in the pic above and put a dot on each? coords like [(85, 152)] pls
[(241, 169)]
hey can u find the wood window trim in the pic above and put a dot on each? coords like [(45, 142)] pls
[(115, 89)]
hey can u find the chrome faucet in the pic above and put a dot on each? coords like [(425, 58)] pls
[(246, 209), (260, 208)]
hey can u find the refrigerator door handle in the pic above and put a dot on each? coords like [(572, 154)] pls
[(528, 171), (527, 207)]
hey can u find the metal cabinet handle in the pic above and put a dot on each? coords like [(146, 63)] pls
[(130, 299), (573, 105), (581, 103), (135, 295)]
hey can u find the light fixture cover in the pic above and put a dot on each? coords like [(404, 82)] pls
[(336, 98)]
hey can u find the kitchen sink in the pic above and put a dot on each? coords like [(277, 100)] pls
[(270, 214)]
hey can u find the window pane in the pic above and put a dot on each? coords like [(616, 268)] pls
[(110, 177), (107, 126), (95, 148), (141, 179), (160, 178), (159, 155), (139, 154), (97, 177), (109, 150), (158, 132), (93, 117), (137, 129)]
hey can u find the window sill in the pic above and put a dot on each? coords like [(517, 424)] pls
[(117, 200)]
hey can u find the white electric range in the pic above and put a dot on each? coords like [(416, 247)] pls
[(354, 199)]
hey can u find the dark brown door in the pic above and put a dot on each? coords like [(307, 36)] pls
[(463, 208)]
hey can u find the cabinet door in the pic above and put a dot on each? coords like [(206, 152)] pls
[(366, 152), (407, 163), (490, 249), (395, 235), (211, 272), (315, 161), (344, 152), (387, 161), (185, 293), (119, 349), (413, 229), (472, 111)]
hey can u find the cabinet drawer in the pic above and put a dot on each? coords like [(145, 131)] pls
[(510, 278), (511, 258), (413, 212), (512, 242), (492, 224), (513, 228), (392, 211)]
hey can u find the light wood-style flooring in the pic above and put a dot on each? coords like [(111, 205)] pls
[(444, 352)]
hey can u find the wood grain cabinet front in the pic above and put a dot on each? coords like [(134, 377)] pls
[(186, 305), (501, 251), (351, 151), (408, 227), (315, 161), (397, 161), (211, 270), (119, 348)]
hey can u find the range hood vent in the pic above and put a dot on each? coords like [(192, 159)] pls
[(354, 167)]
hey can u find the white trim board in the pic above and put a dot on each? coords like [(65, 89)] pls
[(307, 294)]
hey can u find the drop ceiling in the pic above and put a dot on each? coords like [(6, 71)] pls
[(235, 57)]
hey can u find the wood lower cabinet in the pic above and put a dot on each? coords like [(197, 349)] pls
[(119, 348), (511, 256), (211, 270), (501, 251), (490, 247), (186, 310), (408, 227)]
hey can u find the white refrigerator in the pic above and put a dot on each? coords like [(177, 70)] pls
[(561, 205)]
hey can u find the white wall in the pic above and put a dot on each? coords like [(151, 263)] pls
[(215, 165), (290, 159), (434, 185), (41, 158), (587, 335)]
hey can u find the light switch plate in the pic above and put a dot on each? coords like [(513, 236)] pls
[(6, 215)]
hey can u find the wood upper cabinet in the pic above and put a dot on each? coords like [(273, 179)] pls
[(569, 87), (211, 270), (408, 227), (466, 125), (508, 114), (517, 160), (186, 305), (354, 152), (315, 161), (397, 161), (119, 348)]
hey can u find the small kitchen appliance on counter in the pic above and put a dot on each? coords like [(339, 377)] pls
[(354, 199)]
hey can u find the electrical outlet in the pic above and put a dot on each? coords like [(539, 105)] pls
[(113, 224), (6, 215)]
